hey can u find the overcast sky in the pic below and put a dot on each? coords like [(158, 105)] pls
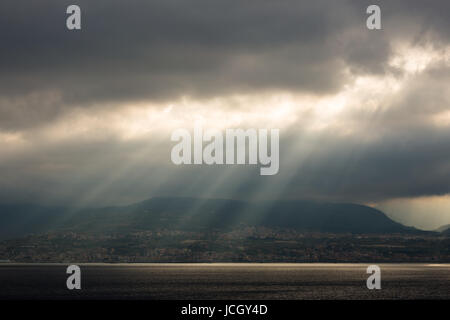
[(364, 115)]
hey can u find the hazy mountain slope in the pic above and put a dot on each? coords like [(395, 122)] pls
[(445, 228), (195, 214), (330, 217), (23, 219)]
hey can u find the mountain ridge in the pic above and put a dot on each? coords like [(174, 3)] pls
[(199, 214)]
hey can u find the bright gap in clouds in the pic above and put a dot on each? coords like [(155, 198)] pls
[(365, 95)]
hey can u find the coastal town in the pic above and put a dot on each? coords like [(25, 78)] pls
[(247, 244)]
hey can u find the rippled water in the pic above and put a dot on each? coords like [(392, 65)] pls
[(225, 281)]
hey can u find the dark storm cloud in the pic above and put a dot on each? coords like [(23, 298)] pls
[(155, 50), (409, 164)]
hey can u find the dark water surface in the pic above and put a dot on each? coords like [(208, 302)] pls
[(225, 281)]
